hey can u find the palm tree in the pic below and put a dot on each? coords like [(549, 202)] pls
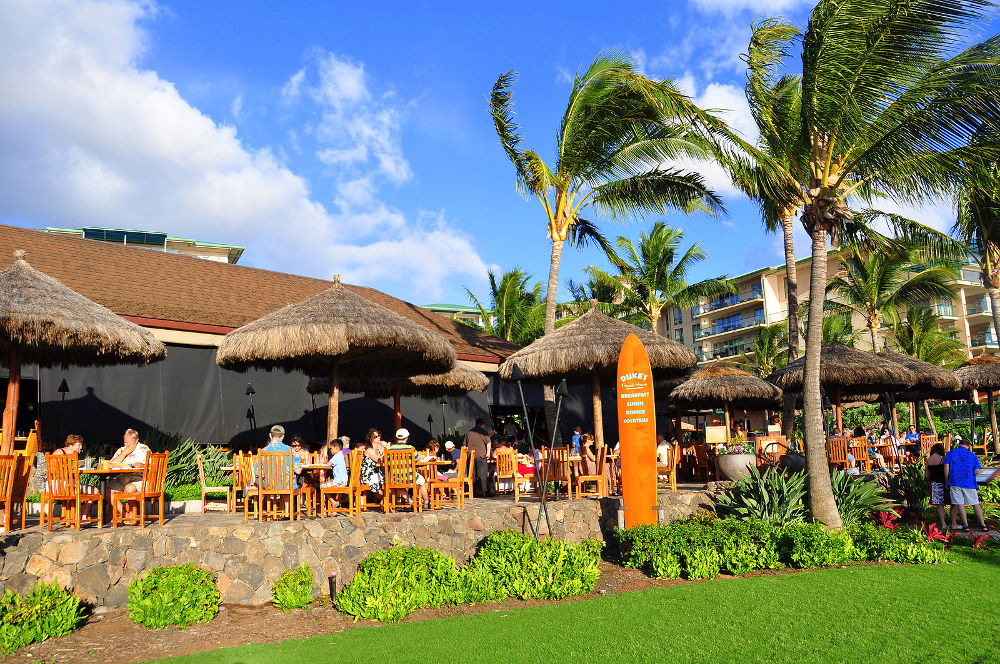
[(877, 284), (919, 336), (837, 327), (767, 350), (516, 311), (617, 135), (888, 107), (655, 274), (978, 227)]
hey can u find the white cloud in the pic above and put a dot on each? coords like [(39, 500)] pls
[(87, 137), (236, 108)]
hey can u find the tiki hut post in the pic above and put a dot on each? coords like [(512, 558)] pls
[(44, 322), (595, 388), (729, 425), (678, 430), (396, 407), (13, 396), (840, 415), (333, 404)]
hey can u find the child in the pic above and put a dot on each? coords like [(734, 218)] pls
[(338, 467)]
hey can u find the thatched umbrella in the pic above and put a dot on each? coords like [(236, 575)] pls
[(983, 373), (931, 380), (726, 384), (587, 348), (45, 323), (461, 379), (336, 333), (845, 372)]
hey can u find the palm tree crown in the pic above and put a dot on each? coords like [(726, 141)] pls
[(654, 274), (919, 336), (516, 310)]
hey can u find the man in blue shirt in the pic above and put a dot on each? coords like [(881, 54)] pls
[(960, 467), (913, 438), (276, 443)]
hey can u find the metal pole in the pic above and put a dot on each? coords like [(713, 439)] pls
[(531, 442), (545, 484)]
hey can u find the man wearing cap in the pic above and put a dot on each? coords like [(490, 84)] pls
[(478, 441), (403, 443), (452, 452)]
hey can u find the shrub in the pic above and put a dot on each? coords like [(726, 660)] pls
[(391, 584), (179, 595), (665, 565), (702, 562), (911, 546), (46, 612), (871, 541), (857, 498), (772, 497), (990, 493), (293, 589), (524, 567), (809, 545), (182, 467)]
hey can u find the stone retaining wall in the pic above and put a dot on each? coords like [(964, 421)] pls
[(98, 564)]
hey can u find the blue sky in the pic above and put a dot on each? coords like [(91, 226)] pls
[(342, 137)]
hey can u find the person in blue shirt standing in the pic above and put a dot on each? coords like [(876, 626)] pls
[(960, 467)]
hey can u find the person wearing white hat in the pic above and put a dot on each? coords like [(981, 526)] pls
[(403, 443)]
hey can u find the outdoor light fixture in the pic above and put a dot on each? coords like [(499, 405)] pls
[(63, 389), (444, 420), (250, 390), (251, 413)]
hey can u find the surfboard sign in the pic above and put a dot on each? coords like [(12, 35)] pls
[(636, 432)]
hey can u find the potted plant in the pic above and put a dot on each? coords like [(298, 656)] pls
[(735, 459)]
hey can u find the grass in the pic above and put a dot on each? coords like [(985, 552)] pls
[(932, 613)]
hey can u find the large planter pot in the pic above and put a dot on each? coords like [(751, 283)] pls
[(793, 462), (732, 466)]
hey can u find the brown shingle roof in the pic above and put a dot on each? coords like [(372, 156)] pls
[(145, 284)]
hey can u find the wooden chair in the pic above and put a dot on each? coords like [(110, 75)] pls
[(205, 489), (600, 486), (701, 468), (10, 467), (276, 484), (455, 485), (858, 448), (355, 491), (507, 471), (981, 450), (469, 476), (62, 486), (558, 469), (245, 481), (927, 441), (400, 476), (154, 477), (770, 449), (836, 451)]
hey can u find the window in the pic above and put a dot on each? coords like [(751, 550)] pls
[(679, 335)]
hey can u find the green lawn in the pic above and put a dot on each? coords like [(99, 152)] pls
[(932, 613)]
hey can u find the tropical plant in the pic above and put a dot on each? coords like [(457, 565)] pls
[(616, 139), (293, 589), (876, 284), (919, 336), (977, 225), (771, 497), (48, 611), (654, 274), (516, 311), (583, 293), (767, 350), (857, 498), (890, 106), (179, 595)]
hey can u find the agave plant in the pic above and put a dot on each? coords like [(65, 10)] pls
[(772, 497), (857, 498)]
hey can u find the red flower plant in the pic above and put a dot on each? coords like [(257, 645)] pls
[(932, 532), (887, 519), (979, 541)]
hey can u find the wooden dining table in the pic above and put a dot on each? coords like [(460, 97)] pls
[(104, 473)]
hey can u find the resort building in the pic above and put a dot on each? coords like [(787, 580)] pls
[(727, 326), (224, 253), (457, 312)]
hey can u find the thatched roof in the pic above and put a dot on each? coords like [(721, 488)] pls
[(717, 383), (336, 326), (56, 325), (980, 373), (592, 343), (933, 381), (850, 370), (461, 379)]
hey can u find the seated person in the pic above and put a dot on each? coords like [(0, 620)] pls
[(276, 444), (588, 455), (452, 451), (913, 442), (431, 454), (338, 467), (402, 443), (663, 448), (132, 454), (74, 445)]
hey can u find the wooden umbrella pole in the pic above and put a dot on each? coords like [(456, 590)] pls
[(728, 424), (333, 403), (894, 414), (840, 414), (13, 396), (678, 430), (595, 382), (993, 421), (396, 396)]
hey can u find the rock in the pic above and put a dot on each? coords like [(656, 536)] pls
[(136, 560), (273, 567), (116, 557), (117, 596), (60, 576), (274, 546), (13, 563), (290, 557), (72, 553), (238, 592), (476, 524), (213, 561), (37, 565), (21, 583), (93, 580), (50, 550), (352, 552), (231, 545), (177, 544), (242, 533), (143, 542), (222, 582)]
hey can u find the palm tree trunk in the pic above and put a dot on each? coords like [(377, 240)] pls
[(654, 319), (930, 420), (792, 292), (993, 421), (994, 293), (824, 507), (551, 297), (871, 330)]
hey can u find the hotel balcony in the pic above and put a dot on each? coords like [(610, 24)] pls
[(979, 308), (969, 277), (721, 353), (717, 329), (983, 340), (755, 294)]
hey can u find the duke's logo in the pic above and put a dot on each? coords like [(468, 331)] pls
[(633, 376)]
